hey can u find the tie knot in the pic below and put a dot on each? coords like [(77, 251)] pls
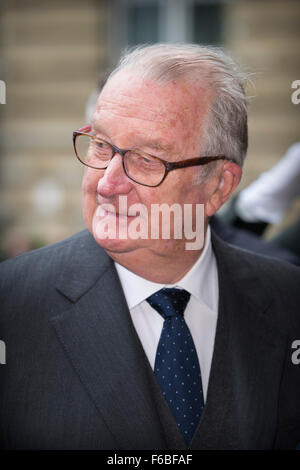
[(169, 302)]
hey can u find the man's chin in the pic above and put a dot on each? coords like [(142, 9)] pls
[(116, 245)]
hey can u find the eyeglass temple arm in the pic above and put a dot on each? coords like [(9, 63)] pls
[(195, 162)]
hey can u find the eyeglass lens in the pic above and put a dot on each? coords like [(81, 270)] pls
[(140, 167)]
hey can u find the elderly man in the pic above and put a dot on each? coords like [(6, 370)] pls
[(123, 338)]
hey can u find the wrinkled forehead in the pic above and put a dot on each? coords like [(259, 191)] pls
[(177, 101)]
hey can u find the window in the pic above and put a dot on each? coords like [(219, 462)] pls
[(149, 21), (207, 23), (143, 24)]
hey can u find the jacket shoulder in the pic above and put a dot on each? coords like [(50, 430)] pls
[(256, 264), (261, 278), (33, 274), (40, 258)]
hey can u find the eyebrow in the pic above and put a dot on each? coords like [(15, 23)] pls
[(98, 128), (142, 142)]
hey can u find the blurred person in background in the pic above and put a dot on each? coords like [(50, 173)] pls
[(266, 201), (117, 342)]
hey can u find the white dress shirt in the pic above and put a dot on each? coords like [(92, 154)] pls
[(201, 313)]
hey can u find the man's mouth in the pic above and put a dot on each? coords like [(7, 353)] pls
[(108, 209), (107, 213)]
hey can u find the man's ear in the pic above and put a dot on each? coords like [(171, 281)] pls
[(227, 181)]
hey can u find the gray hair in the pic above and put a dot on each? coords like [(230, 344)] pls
[(226, 131)]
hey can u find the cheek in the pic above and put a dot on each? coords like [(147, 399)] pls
[(193, 188), (88, 191), (90, 181)]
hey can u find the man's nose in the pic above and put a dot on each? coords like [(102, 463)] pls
[(114, 180)]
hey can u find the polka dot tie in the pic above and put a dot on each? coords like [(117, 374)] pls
[(176, 366)]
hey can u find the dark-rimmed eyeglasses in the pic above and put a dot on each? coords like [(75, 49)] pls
[(140, 167)]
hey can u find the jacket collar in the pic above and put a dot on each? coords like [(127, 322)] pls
[(98, 336)]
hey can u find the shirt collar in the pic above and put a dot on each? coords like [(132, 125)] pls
[(195, 281)]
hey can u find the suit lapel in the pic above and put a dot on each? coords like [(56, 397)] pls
[(247, 361), (99, 339)]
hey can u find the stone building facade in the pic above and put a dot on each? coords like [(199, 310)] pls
[(51, 54)]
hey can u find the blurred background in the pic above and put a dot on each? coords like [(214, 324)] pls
[(51, 57)]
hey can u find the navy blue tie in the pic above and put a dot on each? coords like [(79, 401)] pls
[(176, 366)]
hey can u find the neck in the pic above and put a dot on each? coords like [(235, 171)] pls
[(163, 268)]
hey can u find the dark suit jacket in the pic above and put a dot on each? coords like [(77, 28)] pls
[(252, 242), (76, 375)]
